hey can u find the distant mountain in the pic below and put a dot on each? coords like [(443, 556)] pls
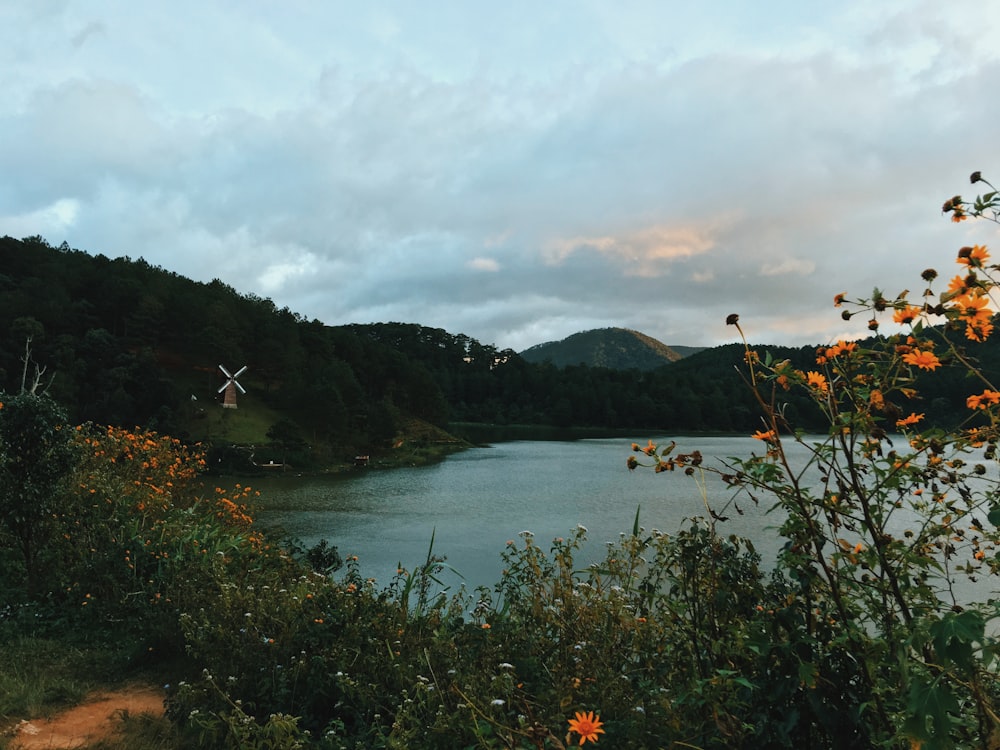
[(613, 348)]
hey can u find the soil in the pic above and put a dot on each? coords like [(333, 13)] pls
[(95, 719)]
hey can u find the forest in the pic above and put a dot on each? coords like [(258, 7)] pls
[(121, 342)]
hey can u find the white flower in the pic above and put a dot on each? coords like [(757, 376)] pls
[(506, 665), (497, 702)]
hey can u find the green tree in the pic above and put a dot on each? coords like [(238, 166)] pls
[(36, 458)]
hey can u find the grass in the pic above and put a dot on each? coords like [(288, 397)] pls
[(42, 676)]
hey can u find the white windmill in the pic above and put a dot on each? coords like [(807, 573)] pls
[(230, 387)]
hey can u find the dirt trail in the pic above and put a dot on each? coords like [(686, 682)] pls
[(94, 719)]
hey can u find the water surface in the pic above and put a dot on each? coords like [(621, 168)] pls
[(474, 501)]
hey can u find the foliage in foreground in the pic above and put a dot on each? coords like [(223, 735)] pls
[(868, 632)]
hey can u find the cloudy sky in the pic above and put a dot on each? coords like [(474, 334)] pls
[(514, 171)]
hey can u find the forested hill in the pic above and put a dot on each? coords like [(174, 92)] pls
[(615, 348), (132, 344)]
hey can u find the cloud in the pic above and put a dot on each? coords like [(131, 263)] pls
[(647, 252), (484, 264), (796, 266), (55, 219), (641, 167)]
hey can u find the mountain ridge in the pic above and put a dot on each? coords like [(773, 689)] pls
[(614, 348)]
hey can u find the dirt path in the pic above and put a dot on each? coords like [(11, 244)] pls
[(94, 719)]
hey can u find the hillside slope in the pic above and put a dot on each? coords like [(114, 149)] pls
[(613, 348)]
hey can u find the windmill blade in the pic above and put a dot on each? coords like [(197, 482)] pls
[(225, 372), (240, 371), (224, 386), (239, 387)]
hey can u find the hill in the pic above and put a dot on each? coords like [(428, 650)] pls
[(134, 345), (613, 348)]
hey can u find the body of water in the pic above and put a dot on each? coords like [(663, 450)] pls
[(476, 500)]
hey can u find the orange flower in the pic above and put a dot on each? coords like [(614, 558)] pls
[(841, 347), (767, 436), (912, 419), (838, 300), (958, 285), (974, 256), (817, 381), (984, 400), (587, 725), (876, 399), (924, 360), (974, 310), (906, 314), (978, 331)]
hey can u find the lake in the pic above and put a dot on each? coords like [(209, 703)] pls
[(476, 500)]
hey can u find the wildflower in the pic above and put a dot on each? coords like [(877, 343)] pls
[(650, 449), (958, 285), (906, 314), (841, 347), (497, 702), (974, 256), (925, 360), (817, 381), (838, 299), (587, 725), (984, 400), (912, 419), (766, 436), (732, 319), (877, 400)]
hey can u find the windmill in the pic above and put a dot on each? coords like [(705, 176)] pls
[(230, 387)]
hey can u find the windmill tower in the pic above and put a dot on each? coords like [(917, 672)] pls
[(230, 387)]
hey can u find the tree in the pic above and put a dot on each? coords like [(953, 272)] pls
[(36, 458)]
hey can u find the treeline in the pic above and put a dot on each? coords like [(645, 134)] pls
[(131, 344)]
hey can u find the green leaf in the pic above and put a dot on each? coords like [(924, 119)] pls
[(994, 516), (929, 708), (954, 634)]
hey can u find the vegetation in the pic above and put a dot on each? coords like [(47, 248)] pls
[(859, 637), (129, 344)]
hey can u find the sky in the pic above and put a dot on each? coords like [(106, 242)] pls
[(515, 171)]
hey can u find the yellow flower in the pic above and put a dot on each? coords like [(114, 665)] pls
[(817, 381), (924, 360), (587, 725)]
